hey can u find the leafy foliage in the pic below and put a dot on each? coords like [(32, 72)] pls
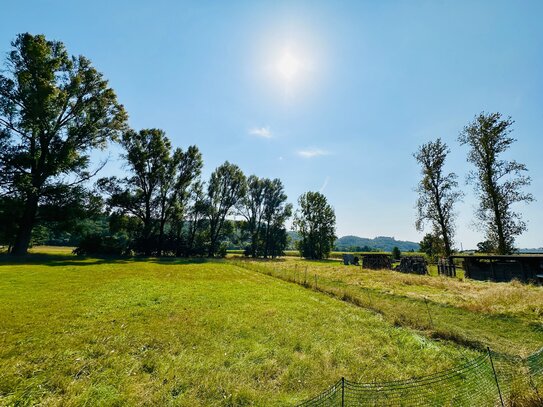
[(226, 188), (432, 245), (315, 221), (486, 246), (498, 183), (438, 193), (54, 109), (265, 210), (157, 187)]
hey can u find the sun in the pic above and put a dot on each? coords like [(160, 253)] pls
[(289, 66)]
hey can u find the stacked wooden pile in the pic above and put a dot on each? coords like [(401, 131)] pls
[(446, 267), (412, 264), (376, 261)]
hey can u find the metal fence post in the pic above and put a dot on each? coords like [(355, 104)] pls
[(495, 375)]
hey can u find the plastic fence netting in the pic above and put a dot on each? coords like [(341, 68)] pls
[(471, 384), (535, 363), (330, 397)]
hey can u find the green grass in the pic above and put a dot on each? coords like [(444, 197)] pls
[(508, 317), (114, 332)]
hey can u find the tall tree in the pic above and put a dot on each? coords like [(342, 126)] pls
[(181, 170), (438, 193), (315, 222), (147, 155), (251, 207), (498, 183), (275, 213), (54, 109), (224, 191), (196, 213), (157, 185), (265, 211)]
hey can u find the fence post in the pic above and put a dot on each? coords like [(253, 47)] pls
[(429, 314), (342, 392), (495, 375)]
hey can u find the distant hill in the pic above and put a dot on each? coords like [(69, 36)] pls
[(539, 250), (383, 243)]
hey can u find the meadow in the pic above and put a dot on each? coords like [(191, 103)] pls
[(224, 332), (508, 317)]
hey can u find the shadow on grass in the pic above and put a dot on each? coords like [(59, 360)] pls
[(55, 260)]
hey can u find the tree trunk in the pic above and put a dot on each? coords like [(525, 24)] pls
[(24, 234), (267, 241), (161, 238), (212, 239)]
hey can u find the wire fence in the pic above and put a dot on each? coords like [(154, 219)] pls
[(535, 363), (488, 380), (477, 382)]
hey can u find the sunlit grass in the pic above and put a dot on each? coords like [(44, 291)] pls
[(149, 332), (506, 316)]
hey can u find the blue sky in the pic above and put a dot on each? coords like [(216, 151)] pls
[(332, 96)]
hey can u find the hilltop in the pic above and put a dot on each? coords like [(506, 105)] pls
[(384, 243)]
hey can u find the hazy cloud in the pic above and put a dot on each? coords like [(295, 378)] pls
[(263, 132), (312, 152)]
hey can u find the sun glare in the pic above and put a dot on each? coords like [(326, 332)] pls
[(288, 66)]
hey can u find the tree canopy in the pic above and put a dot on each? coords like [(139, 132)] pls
[(499, 183), (315, 222), (438, 193), (226, 188), (54, 109)]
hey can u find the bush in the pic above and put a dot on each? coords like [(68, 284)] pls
[(97, 245), (223, 250)]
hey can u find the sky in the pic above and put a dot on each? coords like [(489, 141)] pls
[(331, 96)]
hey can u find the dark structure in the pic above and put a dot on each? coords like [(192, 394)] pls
[(503, 268), (350, 259), (377, 261), (446, 267), (412, 264)]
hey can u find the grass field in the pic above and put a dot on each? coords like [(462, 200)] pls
[(170, 332), (508, 317), (106, 332)]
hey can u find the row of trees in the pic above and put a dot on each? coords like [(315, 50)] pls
[(166, 208), (55, 109), (499, 185)]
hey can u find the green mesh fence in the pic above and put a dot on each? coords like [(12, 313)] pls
[(467, 385), (471, 384), (535, 363)]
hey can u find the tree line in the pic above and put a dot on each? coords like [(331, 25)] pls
[(499, 185), (55, 109)]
